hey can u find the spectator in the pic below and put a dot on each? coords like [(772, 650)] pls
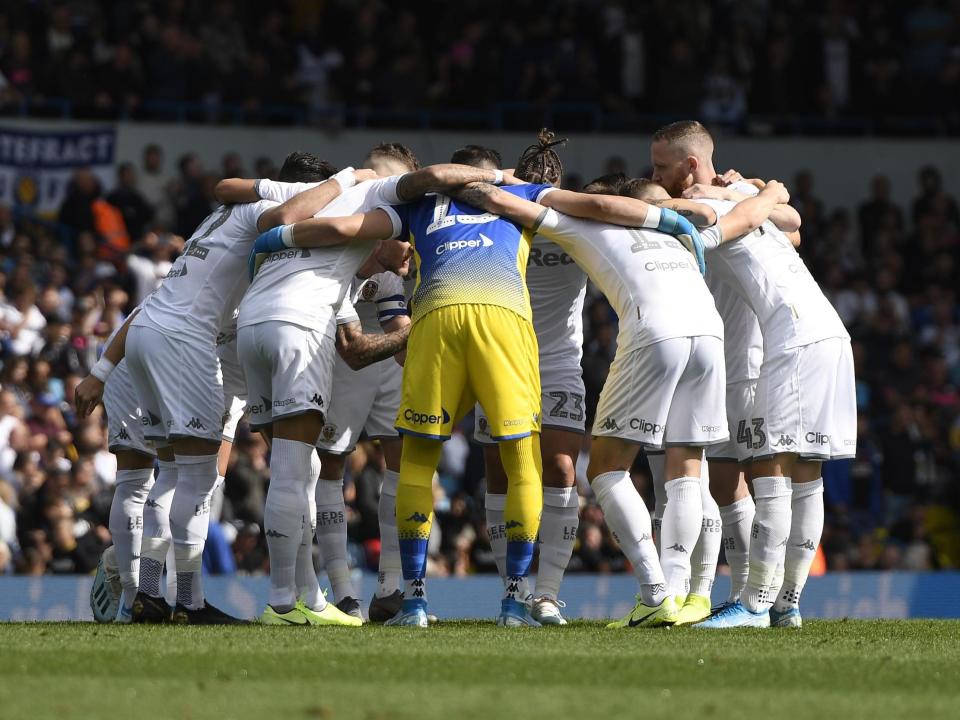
[(137, 212)]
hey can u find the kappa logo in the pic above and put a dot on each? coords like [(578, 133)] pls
[(513, 524), (785, 441), (677, 547), (195, 424), (609, 424), (418, 591), (123, 434), (417, 517), (275, 534), (317, 399), (807, 545), (151, 503)]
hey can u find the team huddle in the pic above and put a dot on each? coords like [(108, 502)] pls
[(392, 301)]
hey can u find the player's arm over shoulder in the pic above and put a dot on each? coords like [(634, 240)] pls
[(359, 349), (751, 213)]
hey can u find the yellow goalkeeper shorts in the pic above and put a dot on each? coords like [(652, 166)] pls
[(458, 355)]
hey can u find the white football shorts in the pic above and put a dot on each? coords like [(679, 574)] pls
[(668, 393), (177, 382), (806, 402), (364, 400), (125, 422), (288, 369), (562, 405), (234, 387), (743, 440)]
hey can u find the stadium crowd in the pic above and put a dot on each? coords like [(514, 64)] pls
[(890, 271), (842, 65)]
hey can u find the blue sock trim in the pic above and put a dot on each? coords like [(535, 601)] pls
[(413, 558), (519, 557)]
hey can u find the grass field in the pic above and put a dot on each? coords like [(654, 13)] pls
[(843, 669)]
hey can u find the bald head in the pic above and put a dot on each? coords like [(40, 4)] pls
[(682, 154)]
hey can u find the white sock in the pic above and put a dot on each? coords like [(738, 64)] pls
[(494, 504), (737, 519), (308, 587), (558, 532), (768, 539), (415, 589), (156, 529), (628, 518), (805, 531), (216, 500), (189, 523), (657, 463), (703, 562), (284, 517), (390, 570), (126, 527), (682, 519), (171, 585), (332, 536)]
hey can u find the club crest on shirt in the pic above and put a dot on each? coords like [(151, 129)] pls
[(369, 290)]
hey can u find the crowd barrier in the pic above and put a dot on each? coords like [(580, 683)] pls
[(835, 595)]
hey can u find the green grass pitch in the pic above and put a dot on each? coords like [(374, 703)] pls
[(844, 669)]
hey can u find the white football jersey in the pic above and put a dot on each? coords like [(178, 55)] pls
[(765, 270), (305, 286), (557, 287), (374, 301), (743, 342), (205, 284), (652, 282)]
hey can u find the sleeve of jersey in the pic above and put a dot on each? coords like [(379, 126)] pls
[(745, 188), (712, 237), (249, 213), (528, 191), (399, 216), (346, 313), (391, 302), (281, 191)]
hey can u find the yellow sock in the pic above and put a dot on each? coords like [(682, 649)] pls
[(521, 516), (415, 502)]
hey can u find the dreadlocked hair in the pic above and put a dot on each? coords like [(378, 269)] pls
[(540, 163)]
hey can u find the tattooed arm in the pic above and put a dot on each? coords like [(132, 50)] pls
[(442, 179), (359, 349)]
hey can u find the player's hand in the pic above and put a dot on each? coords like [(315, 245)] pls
[(779, 189), (694, 244), (88, 395), (363, 174), (509, 178), (728, 178), (702, 190), (254, 261), (673, 223)]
